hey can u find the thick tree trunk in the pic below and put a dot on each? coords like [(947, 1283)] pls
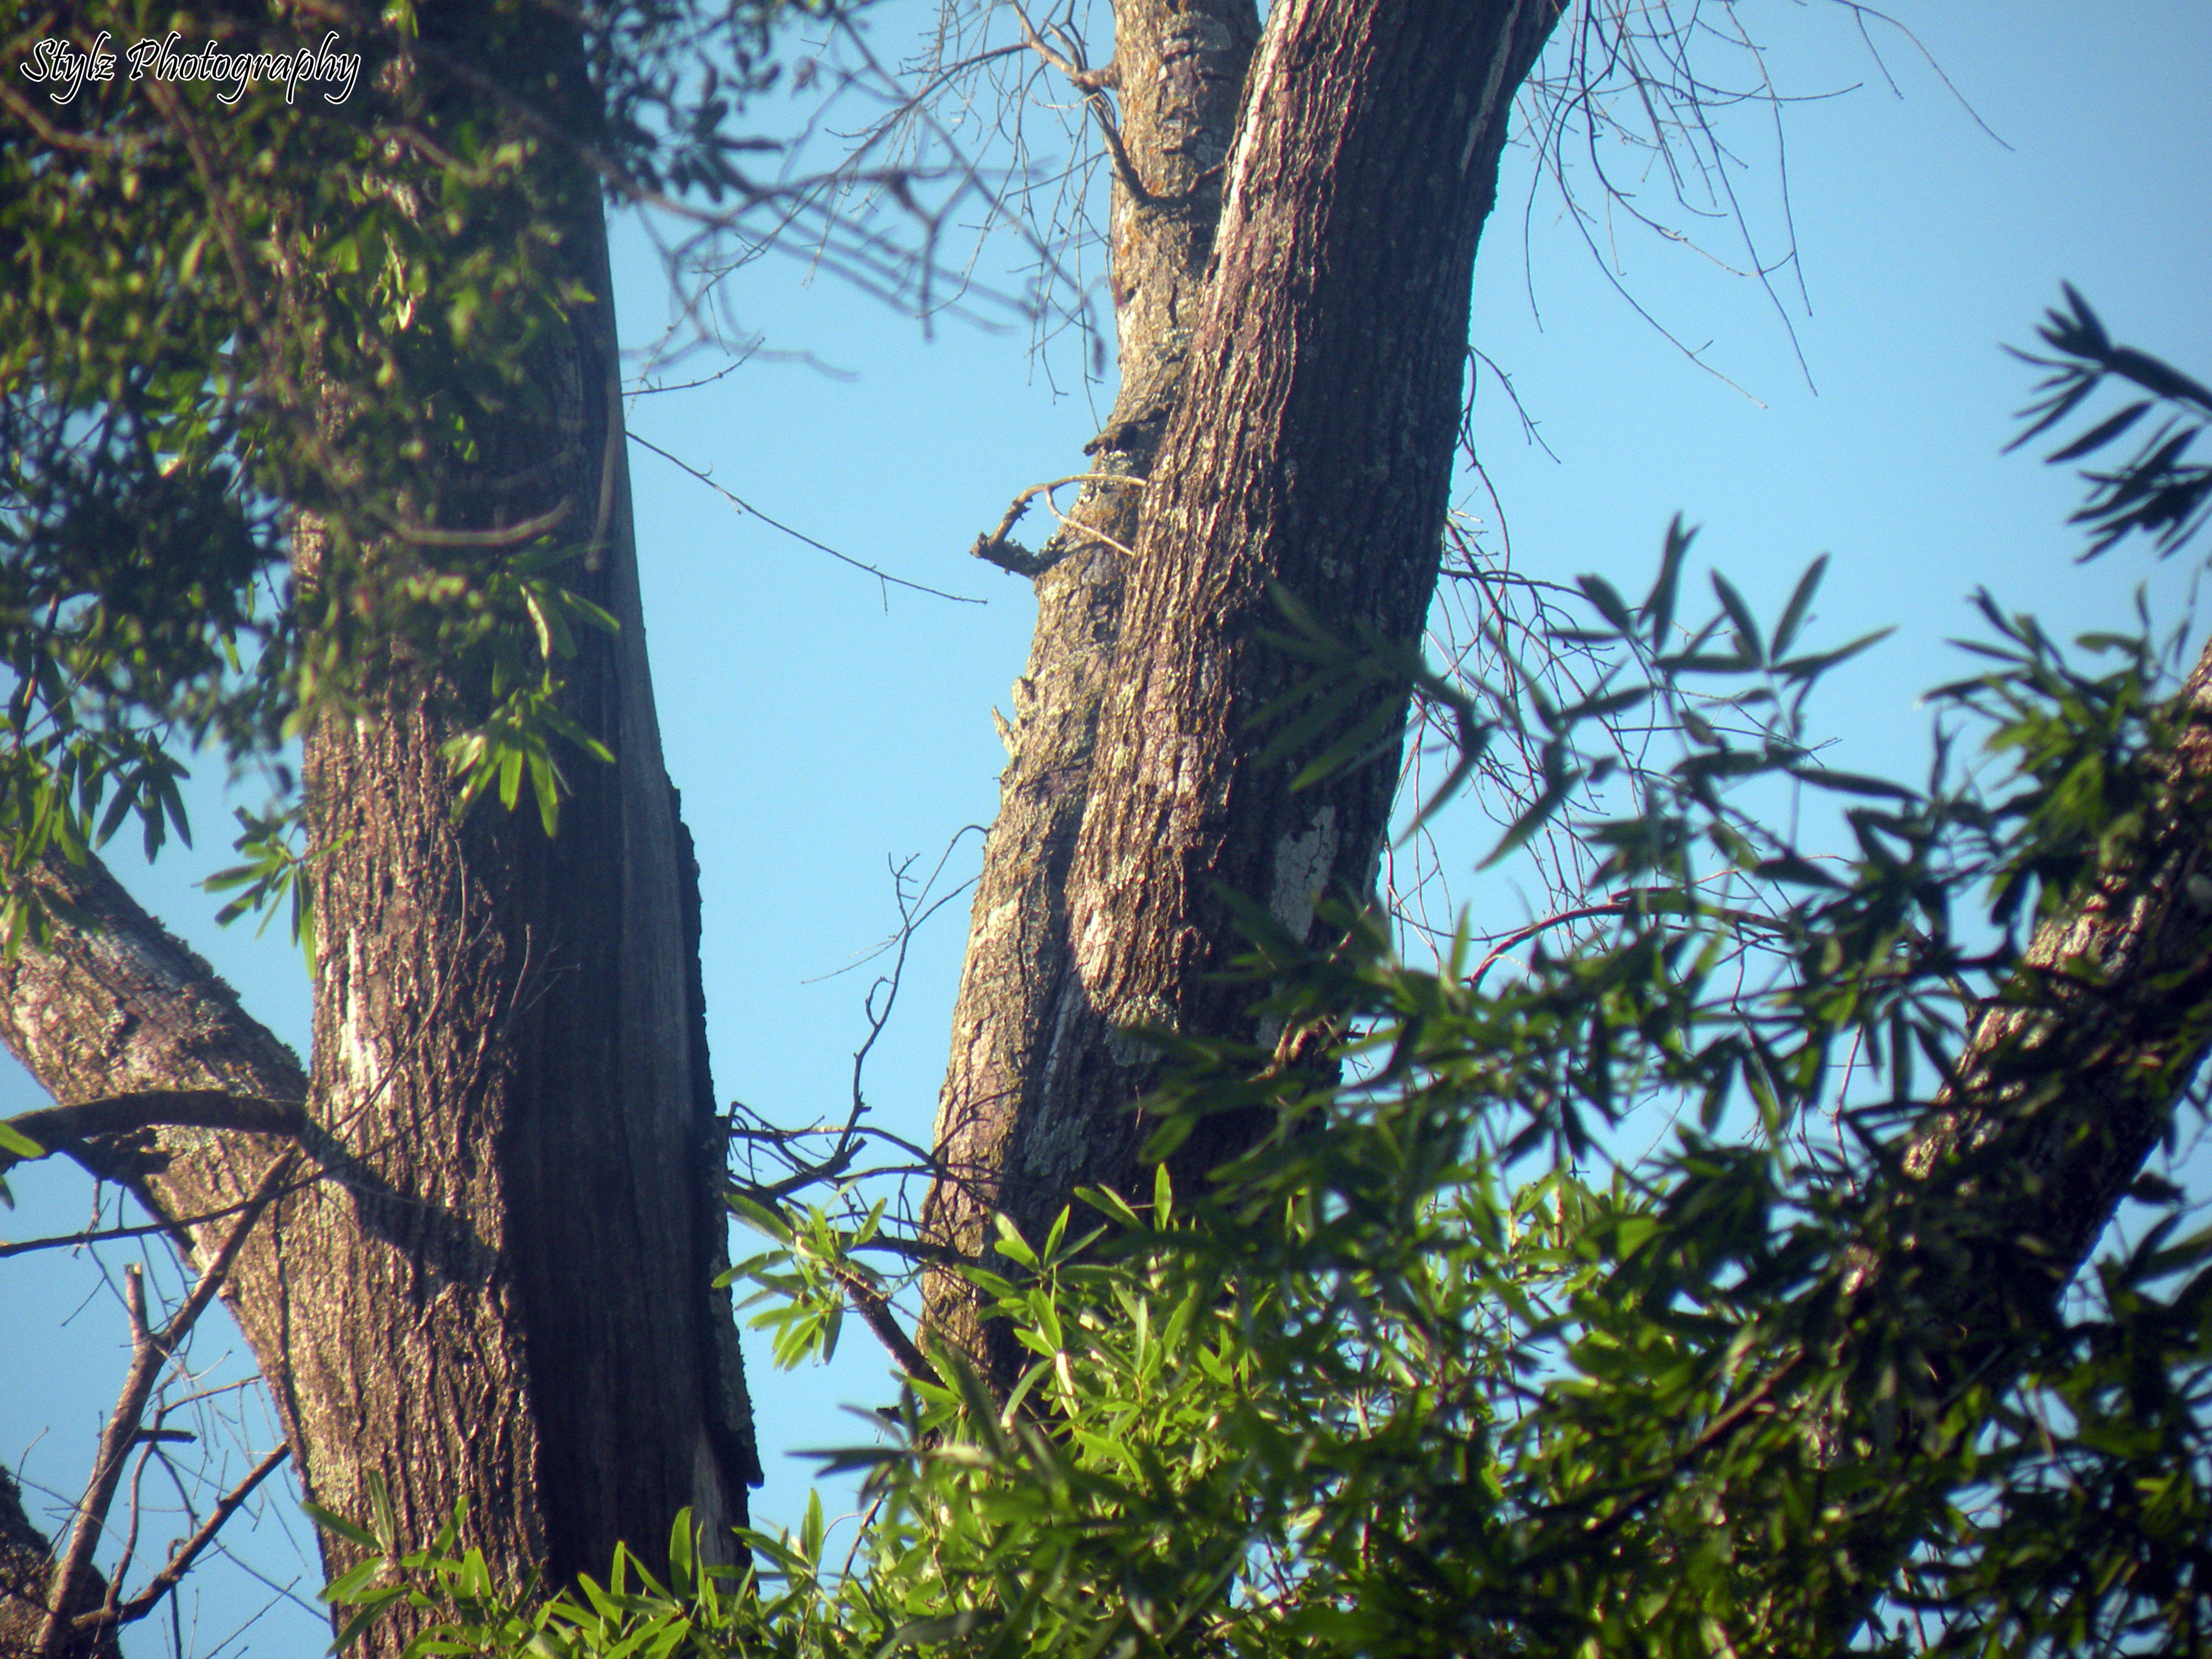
[(1311, 444), (503, 1033), (496, 1285), (1180, 72)]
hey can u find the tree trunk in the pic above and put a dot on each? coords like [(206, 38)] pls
[(27, 1567), (495, 1287), (2071, 1082), (1311, 444), (1180, 72)]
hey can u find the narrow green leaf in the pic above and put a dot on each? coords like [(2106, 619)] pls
[(347, 1586), (1659, 604), (1607, 599), (1800, 605), (1746, 626), (330, 1520), (2101, 434)]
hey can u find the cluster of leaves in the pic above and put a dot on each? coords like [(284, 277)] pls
[(2158, 490), (1433, 1370), (299, 389)]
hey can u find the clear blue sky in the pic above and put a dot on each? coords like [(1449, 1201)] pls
[(817, 733)]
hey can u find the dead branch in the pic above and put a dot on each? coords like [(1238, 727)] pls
[(150, 1350), (181, 1563), (994, 548)]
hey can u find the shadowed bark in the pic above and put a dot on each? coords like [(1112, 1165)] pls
[(2071, 1081), (1180, 72), (26, 1563)]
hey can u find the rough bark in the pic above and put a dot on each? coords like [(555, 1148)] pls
[(1180, 70), (504, 1040), (1311, 444), (495, 1287), (2069, 1081), (2071, 1078), (119, 1007), (2112, 1016)]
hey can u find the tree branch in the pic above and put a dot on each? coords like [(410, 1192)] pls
[(181, 1563), (150, 1351), (2070, 1080), (875, 1310), (59, 1129)]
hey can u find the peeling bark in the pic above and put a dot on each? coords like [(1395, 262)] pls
[(1310, 442)]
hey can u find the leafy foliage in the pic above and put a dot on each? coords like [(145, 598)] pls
[(2157, 490), (289, 406)]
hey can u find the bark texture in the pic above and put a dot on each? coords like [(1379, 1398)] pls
[(1180, 70), (504, 1042), (27, 1564), (2069, 1083), (496, 1285), (1311, 444)]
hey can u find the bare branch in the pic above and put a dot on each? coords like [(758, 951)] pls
[(181, 1563), (994, 548), (57, 1129), (150, 1351)]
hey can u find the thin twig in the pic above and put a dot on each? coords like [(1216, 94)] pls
[(744, 505), (993, 548), (170, 1576)]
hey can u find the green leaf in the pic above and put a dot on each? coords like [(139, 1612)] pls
[(1800, 605), (1607, 599), (544, 781), (1539, 813), (331, 1520), (347, 1586), (1110, 1203), (1658, 611), (2101, 434), (1746, 626)]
